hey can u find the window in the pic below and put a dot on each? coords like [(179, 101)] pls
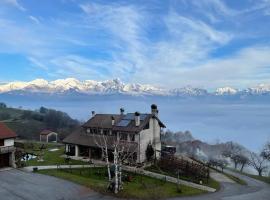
[(114, 133), (93, 131), (132, 137), (123, 136), (1, 142), (88, 130), (146, 126), (105, 132)]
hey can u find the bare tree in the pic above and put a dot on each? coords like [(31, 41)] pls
[(218, 162), (266, 151), (234, 152), (122, 151), (243, 160), (102, 142), (258, 162)]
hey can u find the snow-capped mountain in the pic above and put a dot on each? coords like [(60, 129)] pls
[(259, 89), (226, 91), (116, 86), (85, 87), (188, 91)]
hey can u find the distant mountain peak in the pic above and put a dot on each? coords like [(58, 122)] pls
[(116, 86), (226, 91)]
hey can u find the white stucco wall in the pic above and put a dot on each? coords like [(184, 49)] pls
[(9, 142), (152, 136)]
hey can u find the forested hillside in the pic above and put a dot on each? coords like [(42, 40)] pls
[(28, 124)]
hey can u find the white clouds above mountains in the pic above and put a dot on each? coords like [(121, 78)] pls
[(205, 43)]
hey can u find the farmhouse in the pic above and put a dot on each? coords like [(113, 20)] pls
[(133, 129), (7, 149)]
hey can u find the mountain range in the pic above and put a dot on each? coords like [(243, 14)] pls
[(116, 86)]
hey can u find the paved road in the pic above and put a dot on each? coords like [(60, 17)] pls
[(18, 185), (255, 190)]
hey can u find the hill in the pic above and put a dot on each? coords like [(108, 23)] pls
[(187, 145), (28, 124)]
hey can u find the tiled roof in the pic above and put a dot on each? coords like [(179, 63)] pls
[(79, 137), (5, 132), (102, 121), (105, 121), (46, 132)]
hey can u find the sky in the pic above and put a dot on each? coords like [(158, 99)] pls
[(172, 43)]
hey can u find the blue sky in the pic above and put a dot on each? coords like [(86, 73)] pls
[(203, 43)]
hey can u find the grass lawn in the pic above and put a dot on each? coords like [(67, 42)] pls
[(50, 157), (235, 179), (141, 187), (260, 178), (211, 182)]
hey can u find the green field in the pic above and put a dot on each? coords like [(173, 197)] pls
[(140, 187), (50, 157)]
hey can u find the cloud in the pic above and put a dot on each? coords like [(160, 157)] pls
[(171, 48), (34, 19), (15, 3)]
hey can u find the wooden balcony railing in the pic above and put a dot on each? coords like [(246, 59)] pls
[(7, 149)]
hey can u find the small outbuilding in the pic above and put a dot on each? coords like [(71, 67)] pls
[(7, 149), (48, 136)]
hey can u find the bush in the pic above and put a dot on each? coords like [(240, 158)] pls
[(4, 116)]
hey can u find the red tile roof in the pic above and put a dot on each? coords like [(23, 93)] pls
[(5, 132)]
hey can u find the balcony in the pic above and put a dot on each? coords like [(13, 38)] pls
[(7, 149)]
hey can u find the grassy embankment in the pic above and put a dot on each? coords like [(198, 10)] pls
[(140, 187), (211, 182), (260, 178)]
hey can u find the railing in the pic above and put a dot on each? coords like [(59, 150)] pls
[(7, 149)]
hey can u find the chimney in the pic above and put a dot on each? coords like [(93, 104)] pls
[(122, 110), (154, 109), (93, 113), (137, 119), (113, 121)]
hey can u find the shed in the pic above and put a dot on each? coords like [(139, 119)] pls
[(48, 136)]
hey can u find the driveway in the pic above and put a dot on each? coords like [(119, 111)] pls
[(255, 190), (18, 185)]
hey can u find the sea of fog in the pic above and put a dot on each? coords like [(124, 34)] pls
[(243, 122)]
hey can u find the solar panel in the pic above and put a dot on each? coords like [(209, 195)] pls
[(143, 116), (123, 122), (131, 116)]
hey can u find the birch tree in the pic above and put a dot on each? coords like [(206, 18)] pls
[(102, 142), (122, 151)]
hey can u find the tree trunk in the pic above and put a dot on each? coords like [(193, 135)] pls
[(242, 167), (235, 165), (115, 171), (120, 177), (108, 164)]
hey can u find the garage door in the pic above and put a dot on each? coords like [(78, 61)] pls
[(4, 160)]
